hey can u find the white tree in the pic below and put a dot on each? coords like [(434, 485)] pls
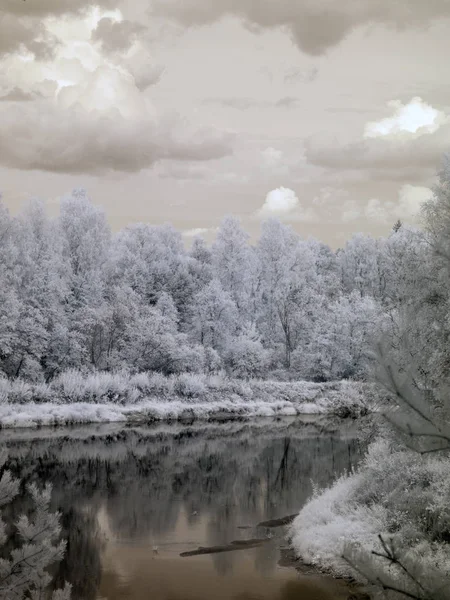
[(235, 265), (289, 293), (213, 316)]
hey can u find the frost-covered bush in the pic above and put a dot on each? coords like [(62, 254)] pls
[(73, 386), (189, 385), (396, 494), (16, 390), (350, 400), (246, 358), (24, 569)]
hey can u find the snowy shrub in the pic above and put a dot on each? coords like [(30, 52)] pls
[(159, 385), (17, 390), (246, 358), (216, 382), (141, 381), (189, 385), (349, 400)]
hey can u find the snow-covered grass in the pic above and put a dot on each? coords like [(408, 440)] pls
[(110, 397), (395, 493)]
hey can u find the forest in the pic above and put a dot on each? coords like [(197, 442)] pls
[(75, 296)]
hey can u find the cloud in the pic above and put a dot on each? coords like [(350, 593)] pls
[(145, 72), (44, 136), (280, 201), (195, 232), (43, 8), (89, 115), (402, 148), (415, 117), (314, 26), (17, 94), (24, 24), (25, 35), (116, 36), (284, 204), (407, 207)]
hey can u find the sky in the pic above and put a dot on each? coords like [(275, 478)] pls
[(331, 115)]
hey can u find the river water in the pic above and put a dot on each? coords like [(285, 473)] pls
[(133, 499)]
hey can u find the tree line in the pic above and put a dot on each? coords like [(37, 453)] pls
[(76, 296)]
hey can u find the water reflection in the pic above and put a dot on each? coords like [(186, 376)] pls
[(133, 498)]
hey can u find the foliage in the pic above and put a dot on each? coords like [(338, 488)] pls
[(24, 563), (73, 295)]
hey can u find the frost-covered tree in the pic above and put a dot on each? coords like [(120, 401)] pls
[(359, 265), (235, 265), (74, 296), (213, 316), (289, 293)]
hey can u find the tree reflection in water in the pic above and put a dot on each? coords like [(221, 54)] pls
[(166, 484)]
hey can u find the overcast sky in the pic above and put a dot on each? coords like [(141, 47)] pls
[(330, 114)]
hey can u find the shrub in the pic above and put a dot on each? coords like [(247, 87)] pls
[(189, 385)]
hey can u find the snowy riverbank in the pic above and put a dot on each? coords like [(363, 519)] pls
[(348, 518), (106, 397)]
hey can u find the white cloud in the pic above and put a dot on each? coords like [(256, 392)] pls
[(280, 201), (415, 117), (283, 203), (195, 232)]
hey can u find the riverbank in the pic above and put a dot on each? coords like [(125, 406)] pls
[(366, 525), (74, 398)]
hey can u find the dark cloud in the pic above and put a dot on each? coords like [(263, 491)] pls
[(17, 35), (40, 136), (315, 25), (116, 36), (393, 157), (146, 74), (43, 8), (21, 26), (18, 95)]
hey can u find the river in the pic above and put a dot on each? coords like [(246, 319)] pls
[(135, 500)]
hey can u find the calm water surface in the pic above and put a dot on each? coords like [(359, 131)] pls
[(134, 498)]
